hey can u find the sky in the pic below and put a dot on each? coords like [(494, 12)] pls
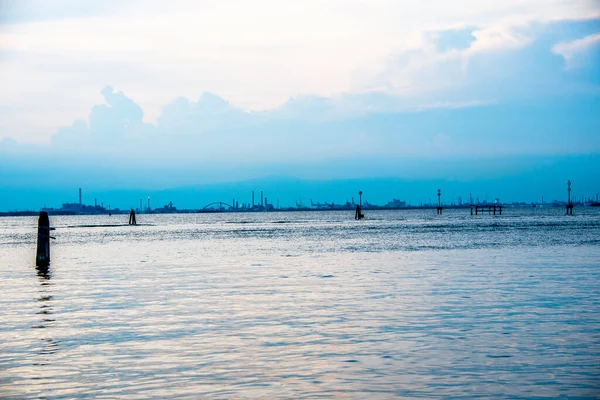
[(115, 95)]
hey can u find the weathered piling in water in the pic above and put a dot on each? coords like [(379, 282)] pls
[(42, 259), (569, 204), (439, 207), (132, 218), (358, 214)]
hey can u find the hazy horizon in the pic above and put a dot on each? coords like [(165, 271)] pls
[(523, 179)]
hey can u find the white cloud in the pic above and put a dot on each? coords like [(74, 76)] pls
[(570, 50), (498, 37), (256, 54)]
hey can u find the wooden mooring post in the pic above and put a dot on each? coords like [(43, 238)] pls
[(569, 204), (358, 214), (42, 259), (132, 218)]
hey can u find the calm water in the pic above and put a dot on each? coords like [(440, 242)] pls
[(296, 305)]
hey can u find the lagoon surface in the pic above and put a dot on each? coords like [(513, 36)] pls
[(304, 304)]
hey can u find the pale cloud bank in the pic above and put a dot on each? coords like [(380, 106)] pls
[(570, 50), (54, 55)]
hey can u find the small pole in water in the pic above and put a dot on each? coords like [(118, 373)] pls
[(132, 218), (569, 204), (42, 259), (359, 215), (439, 207)]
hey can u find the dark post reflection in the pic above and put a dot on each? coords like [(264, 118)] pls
[(49, 345)]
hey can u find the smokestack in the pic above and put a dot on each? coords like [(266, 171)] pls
[(261, 199), (253, 198), (95, 202), (141, 205), (79, 196), (148, 203)]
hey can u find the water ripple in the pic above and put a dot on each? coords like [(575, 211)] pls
[(234, 306)]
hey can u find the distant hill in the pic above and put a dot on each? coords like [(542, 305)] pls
[(522, 179)]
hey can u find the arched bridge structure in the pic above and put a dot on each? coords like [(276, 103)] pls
[(221, 205)]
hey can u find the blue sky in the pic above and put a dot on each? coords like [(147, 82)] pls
[(196, 92)]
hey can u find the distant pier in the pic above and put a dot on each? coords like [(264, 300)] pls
[(490, 209)]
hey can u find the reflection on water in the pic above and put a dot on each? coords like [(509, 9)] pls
[(404, 304), (49, 344)]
